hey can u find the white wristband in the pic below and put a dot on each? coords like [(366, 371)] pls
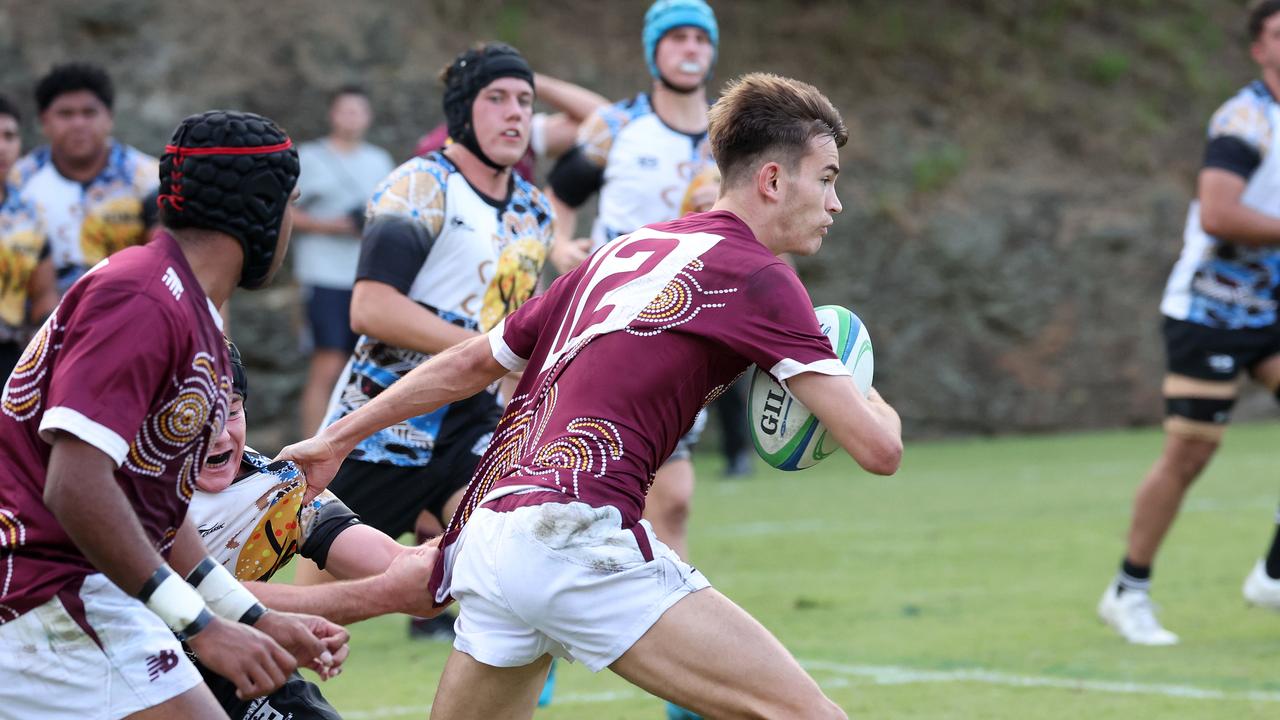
[(177, 603), (226, 595)]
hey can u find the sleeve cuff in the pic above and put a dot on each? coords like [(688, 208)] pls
[(76, 423), (502, 353), (788, 368)]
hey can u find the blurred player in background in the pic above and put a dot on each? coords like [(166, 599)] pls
[(27, 290), (105, 423), (339, 173), (548, 555), (1220, 319), (253, 518), (94, 191)]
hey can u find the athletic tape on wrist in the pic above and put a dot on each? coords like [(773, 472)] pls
[(176, 603), (226, 595)]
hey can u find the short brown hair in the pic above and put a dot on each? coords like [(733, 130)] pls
[(762, 115), (1258, 16)]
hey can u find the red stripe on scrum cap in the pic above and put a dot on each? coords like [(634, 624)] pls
[(257, 150)]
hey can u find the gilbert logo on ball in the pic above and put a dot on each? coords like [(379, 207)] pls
[(785, 433)]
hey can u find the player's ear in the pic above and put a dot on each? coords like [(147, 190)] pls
[(769, 180)]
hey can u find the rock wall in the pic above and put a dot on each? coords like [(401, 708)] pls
[(1014, 190)]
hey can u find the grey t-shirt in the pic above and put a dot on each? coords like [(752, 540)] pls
[(333, 184)]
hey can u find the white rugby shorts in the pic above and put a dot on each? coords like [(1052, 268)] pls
[(564, 579), (50, 668)]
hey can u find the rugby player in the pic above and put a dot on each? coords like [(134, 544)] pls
[(548, 555), (453, 242), (104, 425), (96, 193), (1220, 319), (250, 513), (27, 292)]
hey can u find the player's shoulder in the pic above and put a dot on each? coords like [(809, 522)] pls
[(139, 168), (29, 165), (143, 279), (416, 191), (601, 128), (1245, 115)]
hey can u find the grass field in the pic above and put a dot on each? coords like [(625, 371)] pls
[(964, 587)]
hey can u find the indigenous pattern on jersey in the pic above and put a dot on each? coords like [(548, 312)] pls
[(621, 354), (132, 362), (640, 166), (23, 245), (467, 258), (259, 522), (1217, 283), (88, 222)]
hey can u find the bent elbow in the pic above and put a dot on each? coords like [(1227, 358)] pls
[(885, 460), (361, 319)]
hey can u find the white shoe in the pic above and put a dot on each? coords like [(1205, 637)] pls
[(1261, 589), (1133, 615)]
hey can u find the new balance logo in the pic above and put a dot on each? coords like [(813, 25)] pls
[(161, 662), (173, 282)]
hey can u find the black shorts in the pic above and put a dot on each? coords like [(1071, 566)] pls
[(329, 318), (297, 699), (390, 497), (1207, 353)]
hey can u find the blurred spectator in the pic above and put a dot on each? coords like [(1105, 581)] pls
[(338, 173), (27, 290), (97, 195)]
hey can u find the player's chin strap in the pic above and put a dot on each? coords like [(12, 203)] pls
[(226, 595)]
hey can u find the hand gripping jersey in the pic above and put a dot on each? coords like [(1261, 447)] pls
[(469, 259), (258, 523), (641, 167), (621, 354), (88, 222), (1214, 282), (132, 362), (23, 245)]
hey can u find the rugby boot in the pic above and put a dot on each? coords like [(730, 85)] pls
[(1261, 589), (1132, 614)]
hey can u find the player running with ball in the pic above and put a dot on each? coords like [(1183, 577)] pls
[(547, 555)]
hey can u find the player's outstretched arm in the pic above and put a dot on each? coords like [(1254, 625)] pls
[(867, 428), (400, 588), (457, 373), (1223, 215), (82, 493)]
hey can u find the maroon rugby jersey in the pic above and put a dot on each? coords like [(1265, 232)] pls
[(619, 356), (132, 361)]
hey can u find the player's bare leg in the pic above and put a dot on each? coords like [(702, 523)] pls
[(471, 690), (708, 655), (1160, 495), (197, 703), (668, 504), (326, 366)]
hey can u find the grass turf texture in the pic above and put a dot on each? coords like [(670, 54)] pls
[(984, 555)]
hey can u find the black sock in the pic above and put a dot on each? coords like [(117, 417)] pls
[(1133, 577), (1273, 555)]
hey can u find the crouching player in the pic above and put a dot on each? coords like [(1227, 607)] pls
[(104, 424), (252, 517), (547, 555)]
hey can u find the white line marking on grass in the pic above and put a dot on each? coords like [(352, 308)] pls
[(897, 675), (893, 675)]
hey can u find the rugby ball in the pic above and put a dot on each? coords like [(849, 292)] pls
[(785, 433)]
